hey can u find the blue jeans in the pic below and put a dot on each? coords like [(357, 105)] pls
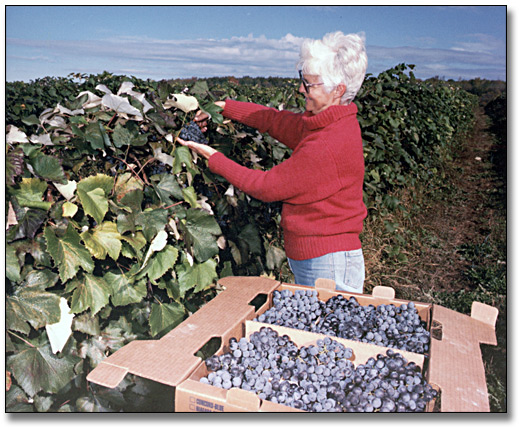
[(346, 268)]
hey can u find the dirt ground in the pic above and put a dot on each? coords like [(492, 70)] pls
[(469, 216)]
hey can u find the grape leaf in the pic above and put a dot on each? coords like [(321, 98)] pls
[(12, 264), (29, 222), (31, 305), (15, 135), (120, 105), (190, 196), (136, 240), (94, 203), (214, 111), (31, 192), (167, 187), (69, 209), (67, 253), (59, 332), (96, 135), (164, 317), (160, 263), (131, 199), (38, 369), (249, 237), (184, 102), (90, 292), (157, 244), (41, 278), (127, 184), (14, 165), (87, 324), (124, 290), (152, 221), (16, 401), (182, 156), (124, 137), (93, 192), (92, 182), (48, 167), (199, 275), (37, 249), (102, 240), (67, 190), (200, 230), (275, 257)]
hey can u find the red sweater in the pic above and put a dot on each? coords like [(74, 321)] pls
[(320, 184)]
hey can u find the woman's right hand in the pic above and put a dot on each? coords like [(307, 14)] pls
[(201, 117)]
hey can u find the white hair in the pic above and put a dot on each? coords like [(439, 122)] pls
[(337, 58)]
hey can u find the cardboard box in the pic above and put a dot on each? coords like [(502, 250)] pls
[(454, 364)]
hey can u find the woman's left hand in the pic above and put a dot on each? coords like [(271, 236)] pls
[(201, 149)]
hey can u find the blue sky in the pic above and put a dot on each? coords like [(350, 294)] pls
[(161, 42)]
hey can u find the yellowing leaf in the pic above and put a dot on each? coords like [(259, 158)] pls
[(102, 240), (69, 209), (125, 184), (102, 181), (31, 192)]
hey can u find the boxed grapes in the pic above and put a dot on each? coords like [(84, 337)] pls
[(281, 369), (442, 352)]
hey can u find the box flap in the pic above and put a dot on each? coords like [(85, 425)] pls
[(455, 364), (171, 359), (383, 292), (484, 313)]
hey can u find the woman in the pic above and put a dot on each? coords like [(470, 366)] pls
[(321, 183)]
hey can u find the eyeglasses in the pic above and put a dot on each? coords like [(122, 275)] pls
[(307, 85)]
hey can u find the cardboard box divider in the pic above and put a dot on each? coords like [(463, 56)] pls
[(454, 365)]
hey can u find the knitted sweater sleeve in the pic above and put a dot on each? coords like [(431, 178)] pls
[(284, 126), (309, 175)]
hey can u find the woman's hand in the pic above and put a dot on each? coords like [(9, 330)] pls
[(201, 116), (201, 149)]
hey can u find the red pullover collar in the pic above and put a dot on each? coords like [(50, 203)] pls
[(330, 115)]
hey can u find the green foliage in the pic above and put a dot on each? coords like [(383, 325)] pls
[(410, 129), (106, 211)]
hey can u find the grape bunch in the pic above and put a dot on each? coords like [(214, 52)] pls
[(302, 310), (398, 327), (192, 132), (319, 377)]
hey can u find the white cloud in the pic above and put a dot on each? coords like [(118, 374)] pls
[(184, 58), (147, 57), (481, 43)]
